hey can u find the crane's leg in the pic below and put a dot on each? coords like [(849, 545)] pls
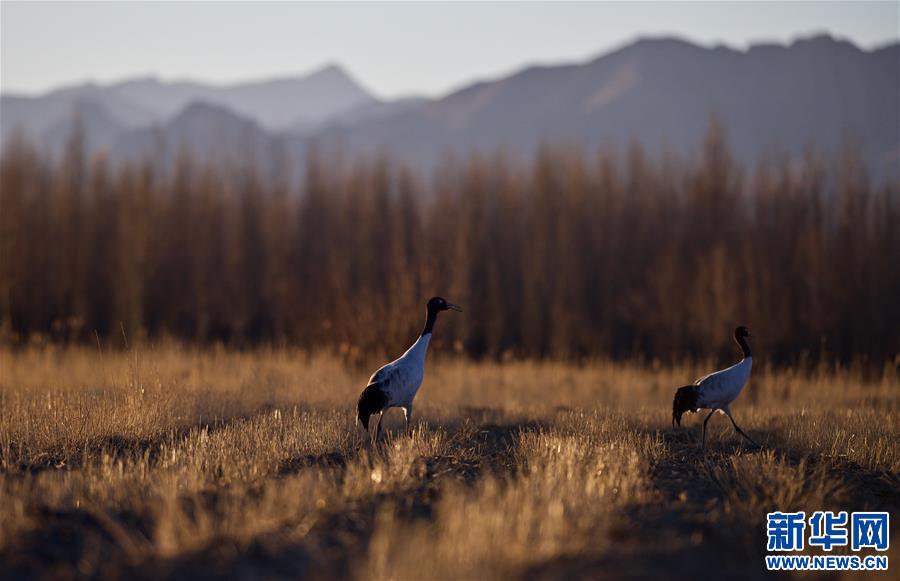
[(407, 414), (703, 441), (739, 431), (380, 420)]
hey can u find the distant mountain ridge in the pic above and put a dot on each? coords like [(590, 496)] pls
[(274, 104), (772, 99)]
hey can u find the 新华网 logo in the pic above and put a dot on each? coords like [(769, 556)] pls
[(787, 532)]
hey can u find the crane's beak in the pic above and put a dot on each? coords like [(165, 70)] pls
[(453, 307)]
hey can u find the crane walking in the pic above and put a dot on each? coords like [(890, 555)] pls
[(717, 390)]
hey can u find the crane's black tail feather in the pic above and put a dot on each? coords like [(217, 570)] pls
[(685, 401), (371, 401)]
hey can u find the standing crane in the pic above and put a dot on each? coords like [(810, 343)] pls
[(396, 384)]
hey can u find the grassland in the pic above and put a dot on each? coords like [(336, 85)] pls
[(166, 462)]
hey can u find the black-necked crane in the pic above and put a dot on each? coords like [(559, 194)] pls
[(396, 384), (717, 390)]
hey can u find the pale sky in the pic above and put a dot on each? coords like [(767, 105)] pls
[(393, 49)]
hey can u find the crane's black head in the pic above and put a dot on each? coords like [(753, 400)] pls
[(437, 304), (741, 332), (685, 401)]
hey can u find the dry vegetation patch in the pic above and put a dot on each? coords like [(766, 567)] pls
[(166, 462)]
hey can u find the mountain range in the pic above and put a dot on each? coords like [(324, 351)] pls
[(659, 92)]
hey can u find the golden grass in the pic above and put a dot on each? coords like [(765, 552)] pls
[(166, 461), (569, 484)]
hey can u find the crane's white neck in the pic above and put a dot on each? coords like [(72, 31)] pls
[(419, 349)]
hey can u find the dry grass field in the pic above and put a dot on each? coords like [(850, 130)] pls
[(169, 462)]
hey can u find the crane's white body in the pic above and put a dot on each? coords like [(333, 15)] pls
[(401, 379), (718, 389)]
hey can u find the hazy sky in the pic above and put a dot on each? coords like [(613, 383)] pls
[(392, 48)]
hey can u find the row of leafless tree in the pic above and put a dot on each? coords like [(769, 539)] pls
[(571, 255)]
